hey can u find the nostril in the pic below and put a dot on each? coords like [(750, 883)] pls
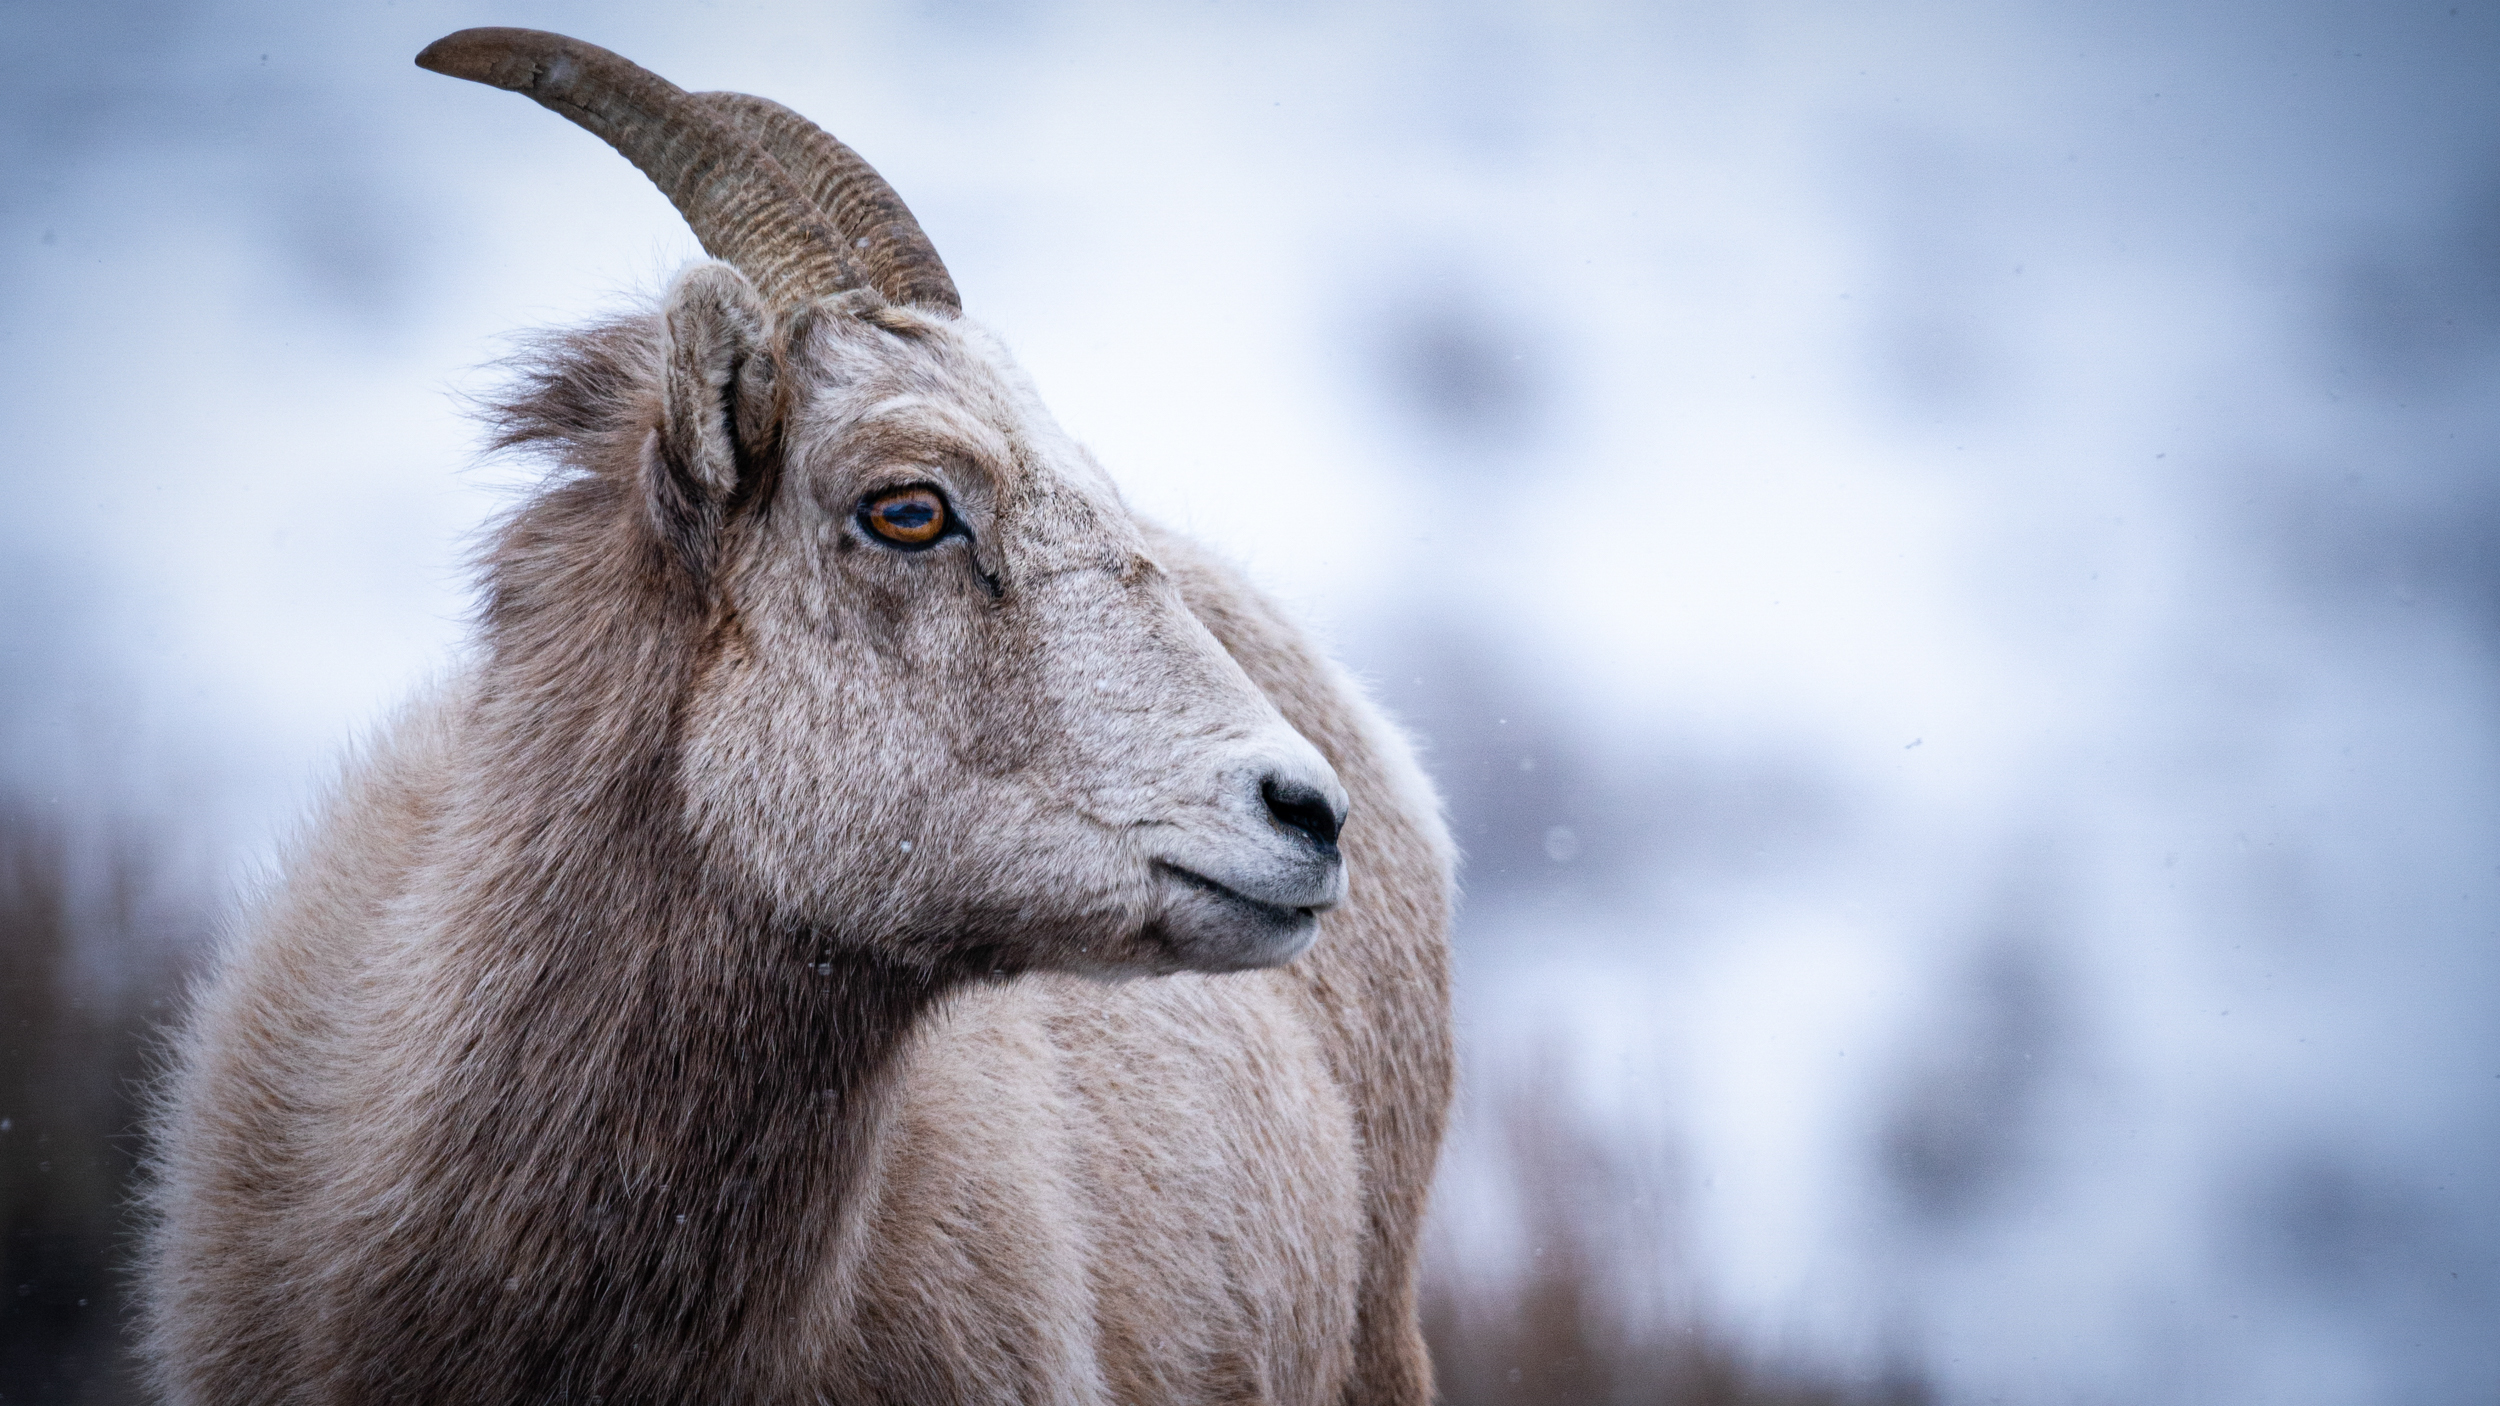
[(1299, 807)]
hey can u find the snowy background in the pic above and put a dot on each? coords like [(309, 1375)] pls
[(1943, 554)]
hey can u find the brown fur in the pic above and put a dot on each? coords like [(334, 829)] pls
[(761, 976)]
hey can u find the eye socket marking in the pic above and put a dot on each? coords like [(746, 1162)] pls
[(906, 517)]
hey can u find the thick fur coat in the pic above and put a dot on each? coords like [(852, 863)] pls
[(783, 968)]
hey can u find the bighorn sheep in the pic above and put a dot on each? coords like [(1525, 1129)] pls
[(721, 990)]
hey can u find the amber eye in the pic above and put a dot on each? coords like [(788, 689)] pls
[(910, 517)]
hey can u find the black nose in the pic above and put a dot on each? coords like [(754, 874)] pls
[(1298, 807)]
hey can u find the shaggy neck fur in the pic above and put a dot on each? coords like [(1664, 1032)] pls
[(650, 1103)]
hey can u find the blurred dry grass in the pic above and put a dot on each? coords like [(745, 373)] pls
[(94, 928), (1597, 1310)]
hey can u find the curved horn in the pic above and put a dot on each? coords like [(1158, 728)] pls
[(739, 201), (898, 258)]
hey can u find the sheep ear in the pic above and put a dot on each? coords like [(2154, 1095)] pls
[(719, 416)]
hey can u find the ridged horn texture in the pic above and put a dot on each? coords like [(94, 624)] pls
[(898, 259), (740, 202)]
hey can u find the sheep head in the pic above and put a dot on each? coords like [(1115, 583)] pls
[(947, 704)]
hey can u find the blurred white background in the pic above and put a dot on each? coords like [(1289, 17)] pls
[(1942, 555)]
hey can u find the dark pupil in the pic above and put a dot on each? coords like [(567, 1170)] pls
[(910, 515)]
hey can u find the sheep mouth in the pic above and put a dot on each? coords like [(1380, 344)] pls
[(1275, 913), (1210, 926)]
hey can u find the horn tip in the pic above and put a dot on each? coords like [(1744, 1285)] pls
[(496, 57)]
